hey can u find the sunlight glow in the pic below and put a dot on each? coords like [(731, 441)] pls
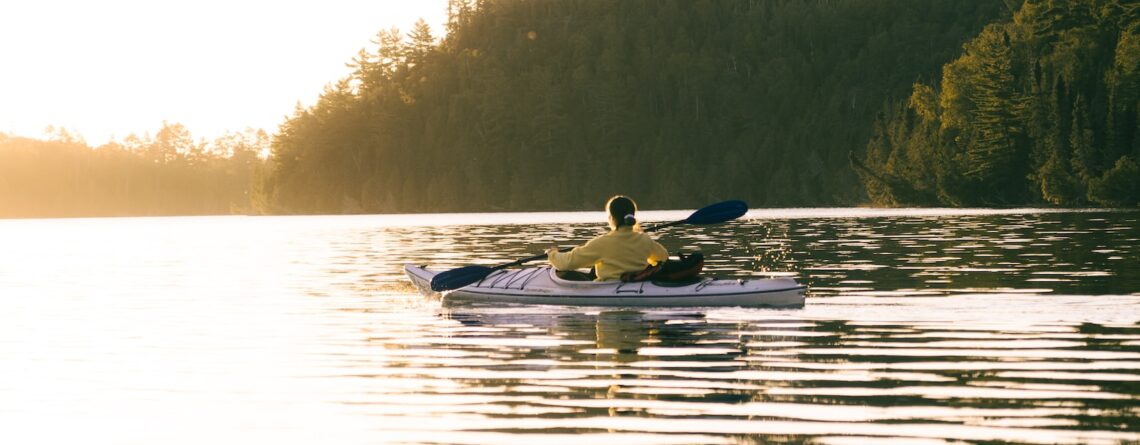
[(109, 69)]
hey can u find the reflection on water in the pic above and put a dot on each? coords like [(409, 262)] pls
[(731, 373), (920, 327)]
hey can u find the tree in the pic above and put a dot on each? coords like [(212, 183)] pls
[(536, 105), (171, 143), (421, 43), (1043, 107), (63, 176)]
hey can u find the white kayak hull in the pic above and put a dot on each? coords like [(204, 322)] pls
[(540, 285)]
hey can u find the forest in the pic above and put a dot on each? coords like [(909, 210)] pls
[(1038, 109), (169, 173), (558, 104), (523, 105)]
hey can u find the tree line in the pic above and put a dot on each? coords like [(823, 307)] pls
[(558, 104), (1041, 108), (169, 173)]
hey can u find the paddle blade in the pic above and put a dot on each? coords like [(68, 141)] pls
[(457, 278), (718, 213)]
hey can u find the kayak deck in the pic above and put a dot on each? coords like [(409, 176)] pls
[(541, 285)]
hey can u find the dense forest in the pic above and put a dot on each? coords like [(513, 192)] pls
[(1038, 109), (169, 173), (558, 104)]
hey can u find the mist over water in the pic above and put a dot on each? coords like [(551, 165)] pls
[(920, 326)]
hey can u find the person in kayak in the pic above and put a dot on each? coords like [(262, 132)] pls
[(625, 253)]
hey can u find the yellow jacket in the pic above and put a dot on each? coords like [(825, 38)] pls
[(622, 250)]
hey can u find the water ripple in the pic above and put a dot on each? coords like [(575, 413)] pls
[(922, 326)]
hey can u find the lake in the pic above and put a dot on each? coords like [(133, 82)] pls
[(921, 326)]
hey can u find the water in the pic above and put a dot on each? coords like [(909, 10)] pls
[(921, 326)]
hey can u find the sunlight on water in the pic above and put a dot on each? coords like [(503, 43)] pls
[(921, 326)]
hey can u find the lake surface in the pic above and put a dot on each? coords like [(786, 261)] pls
[(921, 326)]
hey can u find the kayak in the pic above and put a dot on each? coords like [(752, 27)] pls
[(541, 285)]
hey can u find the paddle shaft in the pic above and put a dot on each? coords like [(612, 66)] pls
[(529, 259)]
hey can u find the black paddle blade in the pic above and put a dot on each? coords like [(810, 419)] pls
[(718, 213), (457, 278)]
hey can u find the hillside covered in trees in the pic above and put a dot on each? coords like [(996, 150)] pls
[(557, 104), (1038, 109), (169, 173)]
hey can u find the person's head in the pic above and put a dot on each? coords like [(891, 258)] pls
[(622, 211)]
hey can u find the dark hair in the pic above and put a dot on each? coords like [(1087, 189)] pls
[(621, 209)]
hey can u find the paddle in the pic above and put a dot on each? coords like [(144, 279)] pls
[(711, 214)]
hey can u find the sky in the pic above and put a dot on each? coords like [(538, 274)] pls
[(106, 69)]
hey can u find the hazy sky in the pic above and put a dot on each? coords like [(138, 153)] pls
[(110, 68)]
